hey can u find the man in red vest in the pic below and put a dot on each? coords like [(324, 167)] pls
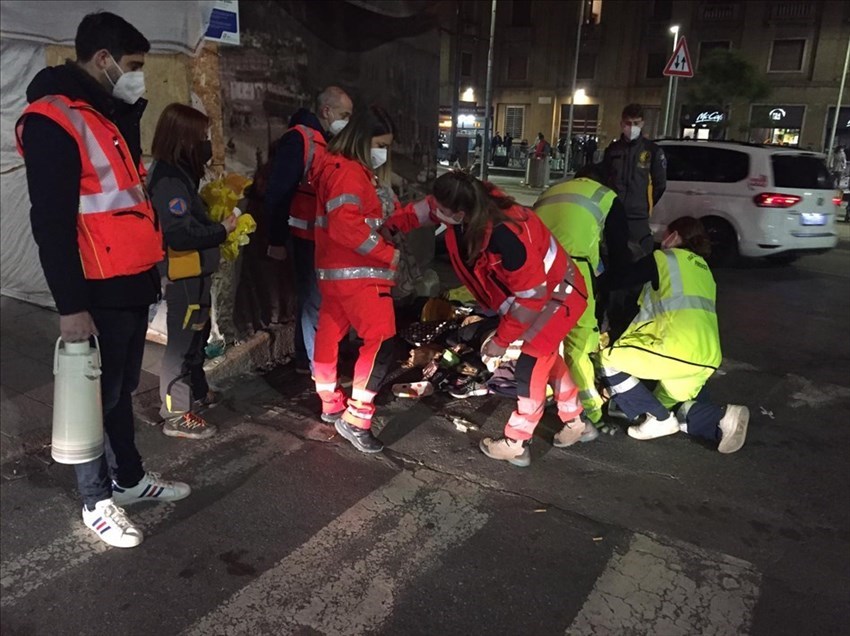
[(291, 206), (99, 242)]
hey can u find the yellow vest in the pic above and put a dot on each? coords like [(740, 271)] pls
[(678, 321), (575, 213)]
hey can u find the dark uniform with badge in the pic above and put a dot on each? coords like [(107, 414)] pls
[(637, 172), (192, 255)]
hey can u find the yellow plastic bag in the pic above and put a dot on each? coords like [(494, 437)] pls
[(221, 197)]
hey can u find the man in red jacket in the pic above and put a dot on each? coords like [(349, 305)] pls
[(99, 242)]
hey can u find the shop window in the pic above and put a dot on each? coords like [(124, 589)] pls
[(787, 56), (705, 48), (655, 63), (514, 120), (662, 10), (517, 67), (521, 13), (593, 11), (701, 163), (586, 66), (466, 64), (585, 119)]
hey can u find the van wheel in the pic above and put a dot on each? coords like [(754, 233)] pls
[(724, 242)]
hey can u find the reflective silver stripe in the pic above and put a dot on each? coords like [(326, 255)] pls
[(325, 386), (677, 288), (653, 310), (523, 314), (600, 193), (362, 395), (94, 151), (311, 148), (534, 292), (369, 244), (341, 200), (609, 371), (586, 203), (112, 200), (588, 394), (422, 209), (321, 221), (301, 224), (551, 253), (506, 305), (543, 318), (626, 385), (351, 273), (374, 223)]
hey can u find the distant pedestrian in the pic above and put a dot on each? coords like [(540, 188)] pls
[(838, 167), (99, 243), (495, 145), (542, 149), (181, 150), (509, 142)]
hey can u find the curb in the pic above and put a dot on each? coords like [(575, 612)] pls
[(21, 454)]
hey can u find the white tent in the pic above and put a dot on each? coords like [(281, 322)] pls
[(26, 28)]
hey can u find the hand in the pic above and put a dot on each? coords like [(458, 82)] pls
[(276, 252), (77, 327), (230, 223), (493, 350)]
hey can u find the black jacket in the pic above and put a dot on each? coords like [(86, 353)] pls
[(54, 170), (637, 172), (286, 173), (186, 224)]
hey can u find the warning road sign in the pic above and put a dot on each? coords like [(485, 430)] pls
[(680, 64)]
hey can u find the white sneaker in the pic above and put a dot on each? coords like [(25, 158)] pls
[(151, 487), (652, 428), (111, 525), (733, 426)]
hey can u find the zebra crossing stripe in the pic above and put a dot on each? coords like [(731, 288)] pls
[(670, 588), (344, 580)]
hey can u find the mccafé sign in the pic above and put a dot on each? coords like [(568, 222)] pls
[(701, 116), (706, 117)]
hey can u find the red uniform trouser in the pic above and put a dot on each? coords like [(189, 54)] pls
[(533, 373), (370, 312)]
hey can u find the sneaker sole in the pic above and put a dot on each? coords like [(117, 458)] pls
[(331, 418), (643, 438), (354, 441), (463, 396), (205, 435), (522, 462), (736, 441), (116, 545)]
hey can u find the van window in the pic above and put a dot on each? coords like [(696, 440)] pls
[(800, 171), (693, 162)]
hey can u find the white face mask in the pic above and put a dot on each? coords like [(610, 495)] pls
[(129, 87), (379, 157), (448, 220), (631, 132), (337, 125)]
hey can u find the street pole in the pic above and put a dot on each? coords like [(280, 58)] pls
[(831, 150), (670, 88), (456, 90), (569, 142), (488, 96)]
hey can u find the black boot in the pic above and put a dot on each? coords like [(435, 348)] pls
[(361, 438)]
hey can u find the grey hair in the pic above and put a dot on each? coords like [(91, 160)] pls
[(331, 96)]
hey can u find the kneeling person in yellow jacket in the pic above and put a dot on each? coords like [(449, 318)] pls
[(673, 339), (581, 214)]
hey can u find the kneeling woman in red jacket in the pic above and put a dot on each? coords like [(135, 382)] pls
[(511, 263), (355, 267)]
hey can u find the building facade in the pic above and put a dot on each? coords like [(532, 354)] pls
[(799, 47)]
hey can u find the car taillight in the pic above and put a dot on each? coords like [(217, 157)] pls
[(773, 200)]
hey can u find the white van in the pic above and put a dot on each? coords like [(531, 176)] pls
[(754, 200)]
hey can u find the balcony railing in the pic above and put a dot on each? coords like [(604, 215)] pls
[(718, 12), (791, 11)]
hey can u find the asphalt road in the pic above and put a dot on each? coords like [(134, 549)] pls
[(289, 530)]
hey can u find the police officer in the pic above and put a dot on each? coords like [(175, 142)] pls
[(181, 150)]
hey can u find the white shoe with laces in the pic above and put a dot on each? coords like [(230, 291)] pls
[(151, 488), (111, 525), (652, 428)]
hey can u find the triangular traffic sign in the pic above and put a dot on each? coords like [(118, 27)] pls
[(680, 64)]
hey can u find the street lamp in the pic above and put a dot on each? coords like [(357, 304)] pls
[(675, 31)]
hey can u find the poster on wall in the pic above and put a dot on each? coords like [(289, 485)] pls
[(224, 22)]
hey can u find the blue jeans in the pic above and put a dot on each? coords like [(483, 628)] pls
[(308, 298), (122, 345)]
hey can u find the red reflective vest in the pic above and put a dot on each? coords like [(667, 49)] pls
[(350, 254), (539, 302), (117, 230), (302, 211)]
